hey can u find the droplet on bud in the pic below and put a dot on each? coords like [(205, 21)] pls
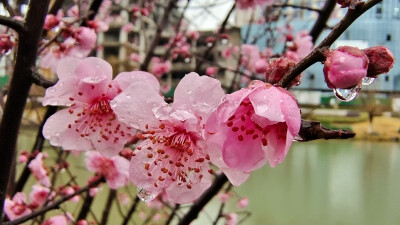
[(368, 80), (347, 95), (145, 195)]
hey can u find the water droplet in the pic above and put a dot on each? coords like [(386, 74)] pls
[(51, 90), (128, 96), (224, 41), (368, 80), (61, 84), (145, 195), (347, 95), (57, 134), (189, 92), (209, 44)]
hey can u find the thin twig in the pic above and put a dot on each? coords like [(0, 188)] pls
[(106, 211), (54, 205), (192, 214), (131, 211)]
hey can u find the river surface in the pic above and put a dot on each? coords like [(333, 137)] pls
[(319, 183), (328, 182)]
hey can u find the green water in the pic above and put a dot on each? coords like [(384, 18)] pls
[(328, 182), (319, 183)]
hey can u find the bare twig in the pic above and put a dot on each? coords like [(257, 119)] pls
[(54, 205), (299, 7), (131, 211), (106, 211), (204, 199), (323, 17), (312, 130)]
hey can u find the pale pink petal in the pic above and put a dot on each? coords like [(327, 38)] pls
[(56, 129), (182, 195), (125, 79), (93, 70), (134, 106), (60, 93), (200, 94), (66, 68)]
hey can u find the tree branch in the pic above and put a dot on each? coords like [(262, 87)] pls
[(55, 204), (20, 84), (312, 130), (323, 17), (317, 54), (299, 7), (12, 23), (131, 211), (192, 214), (160, 26)]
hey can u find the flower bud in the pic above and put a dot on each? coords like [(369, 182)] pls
[(345, 67), (381, 60), (278, 68)]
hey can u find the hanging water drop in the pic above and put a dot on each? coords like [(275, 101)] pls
[(368, 80), (224, 41), (347, 95), (145, 195), (187, 60)]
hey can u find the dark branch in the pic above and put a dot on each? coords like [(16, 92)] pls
[(160, 26), (106, 211), (12, 23), (298, 7), (41, 81), (131, 211), (315, 55), (54, 205), (323, 17), (204, 199), (312, 130)]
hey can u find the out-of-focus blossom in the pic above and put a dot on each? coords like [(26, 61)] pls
[(260, 65), (57, 220), (227, 52), (193, 35), (39, 195), (223, 197), (302, 45), (51, 21), (211, 71), (114, 169), (231, 219), (173, 155), (160, 68), (68, 191), (17, 207), (246, 4), (250, 127), (89, 123), (134, 57), (345, 67), (39, 172), (243, 203)]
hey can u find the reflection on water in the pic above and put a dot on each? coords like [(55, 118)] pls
[(328, 182)]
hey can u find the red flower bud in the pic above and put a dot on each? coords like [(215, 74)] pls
[(381, 60)]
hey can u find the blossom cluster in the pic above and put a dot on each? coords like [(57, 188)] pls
[(180, 143)]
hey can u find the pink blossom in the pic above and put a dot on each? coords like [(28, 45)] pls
[(98, 25), (165, 88), (114, 169), (160, 68), (277, 68), (17, 207), (250, 54), (56, 220), (231, 219), (68, 190), (79, 46), (40, 195), (345, 67), (6, 43), (302, 45), (250, 127), (211, 71), (223, 197), (124, 198), (38, 170), (260, 66), (73, 11), (246, 4), (50, 22), (194, 35), (127, 27), (229, 51), (85, 86), (243, 203), (134, 57), (173, 155)]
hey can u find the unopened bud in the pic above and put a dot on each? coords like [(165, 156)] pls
[(381, 60), (345, 67), (277, 68)]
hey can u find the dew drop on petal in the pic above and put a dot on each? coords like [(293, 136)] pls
[(128, 96), (145, 195), (134, 125), (51, 90), (61, 84), (347, 95), (368, 80), (189, 92)]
